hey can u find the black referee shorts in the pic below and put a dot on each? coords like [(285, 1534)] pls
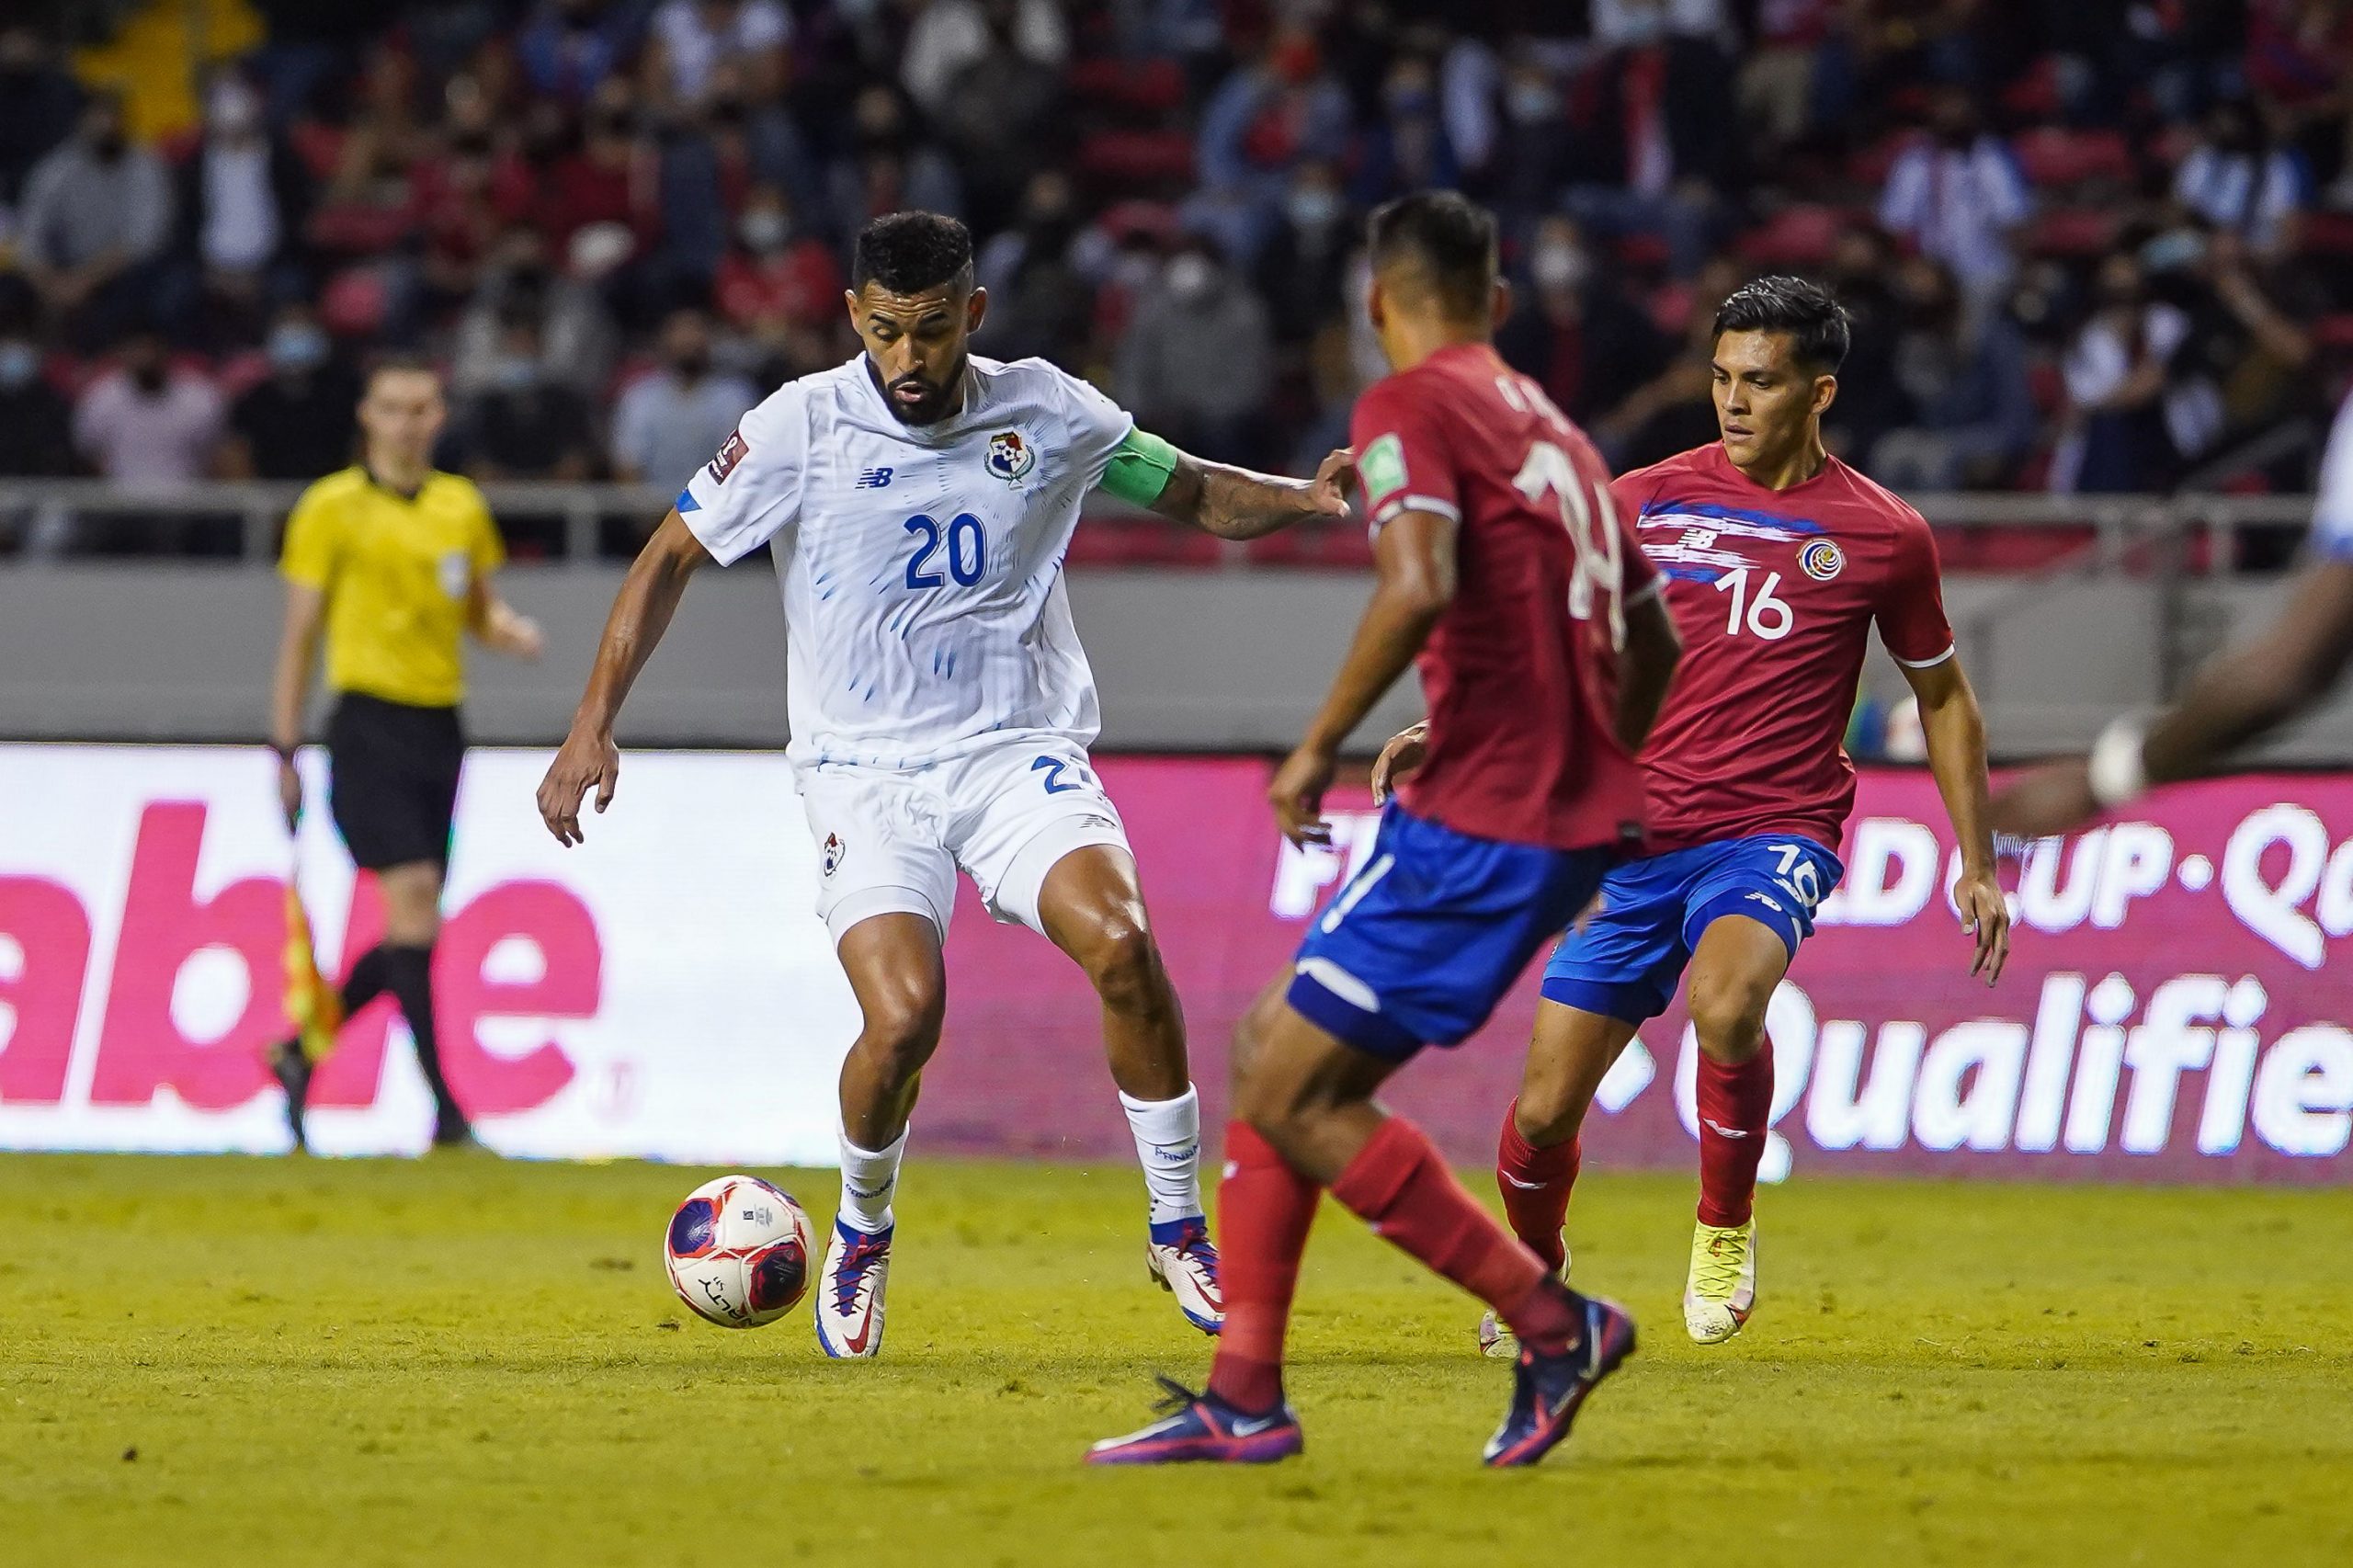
[(392, 779)]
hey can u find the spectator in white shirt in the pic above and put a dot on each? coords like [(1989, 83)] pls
[(949, 35), (670, 422), (690, 37), (150, 424), (2236, 179), (1960, 197)]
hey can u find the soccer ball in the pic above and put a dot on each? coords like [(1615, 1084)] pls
[(738, 1251)]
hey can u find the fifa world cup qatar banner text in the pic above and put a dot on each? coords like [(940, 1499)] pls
[(666, 991)]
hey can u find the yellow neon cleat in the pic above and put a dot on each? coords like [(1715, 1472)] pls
[(1722, 1291)]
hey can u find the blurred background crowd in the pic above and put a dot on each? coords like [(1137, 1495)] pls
[(2095, 246)]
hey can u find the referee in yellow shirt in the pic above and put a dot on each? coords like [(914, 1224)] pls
[(392, 561)]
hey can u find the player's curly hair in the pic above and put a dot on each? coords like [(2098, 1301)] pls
[(1820, 331), (909, 252)]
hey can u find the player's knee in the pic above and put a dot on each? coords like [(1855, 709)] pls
[(1123, 962), (902, 1026), (1729, 1019), (1546, 1114)]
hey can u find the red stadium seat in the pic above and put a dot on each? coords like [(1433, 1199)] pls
[(1870, 166), (2076, 232), (2326, 234), (1796, 236), (1149, 88), (1150, 159), (2335, 331), (2035, 95), (1141, 541), (1333, 546), (2054, 157)]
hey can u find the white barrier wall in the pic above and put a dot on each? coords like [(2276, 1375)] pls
[(663, 991)]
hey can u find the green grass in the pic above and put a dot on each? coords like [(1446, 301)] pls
[(465, 1362)]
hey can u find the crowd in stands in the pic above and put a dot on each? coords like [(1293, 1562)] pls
[(2089, 244)]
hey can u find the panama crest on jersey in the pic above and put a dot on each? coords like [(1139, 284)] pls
[(1821, 560), (1010, 457), (830, 857)]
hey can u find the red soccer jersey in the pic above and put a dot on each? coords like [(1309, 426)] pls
[(1773, 593), (1519, 670)]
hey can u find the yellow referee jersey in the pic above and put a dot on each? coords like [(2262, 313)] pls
[(397, 572)]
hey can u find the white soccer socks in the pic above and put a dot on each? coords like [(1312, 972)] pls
[(870, 1178), (1168, 1144)]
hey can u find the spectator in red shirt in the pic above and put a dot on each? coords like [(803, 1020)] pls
[(775, 277), (611, 178)]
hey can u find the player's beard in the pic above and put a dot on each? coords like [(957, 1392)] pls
[(938, 401)]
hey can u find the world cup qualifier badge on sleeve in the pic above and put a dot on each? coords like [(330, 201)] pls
[(733, 450), (1381, 468)]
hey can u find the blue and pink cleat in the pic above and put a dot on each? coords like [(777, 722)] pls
[(1202, 1427), (1548, 1390)]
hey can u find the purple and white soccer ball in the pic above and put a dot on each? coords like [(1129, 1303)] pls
[(738, 1251)]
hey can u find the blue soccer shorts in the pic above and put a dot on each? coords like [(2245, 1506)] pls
[(1424, 940), (1625, 962)]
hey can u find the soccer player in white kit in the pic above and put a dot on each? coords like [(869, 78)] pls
[(918, 502)]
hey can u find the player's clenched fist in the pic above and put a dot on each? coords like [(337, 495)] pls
[(1403, 754), (585, 760)]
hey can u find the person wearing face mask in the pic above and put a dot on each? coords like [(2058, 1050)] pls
[(526, 425), (774, 278), (1960, 196), (2135, 414), (149, 423), (1301, 273), (97, 214), (668, 423), (1574, 332), (1407, 148), (2236, 179), (242, 201), (1196, 359), (297, 422)]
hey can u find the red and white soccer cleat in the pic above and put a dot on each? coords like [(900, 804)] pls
[(849, 1292)]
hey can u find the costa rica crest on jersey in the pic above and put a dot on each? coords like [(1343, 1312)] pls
[(1010, 457), (1821, 560)]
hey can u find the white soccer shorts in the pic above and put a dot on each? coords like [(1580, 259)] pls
[(889, 840)]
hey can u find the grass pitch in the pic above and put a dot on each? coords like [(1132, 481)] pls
[(457, 1361)]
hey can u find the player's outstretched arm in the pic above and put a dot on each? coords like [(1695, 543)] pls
[(2241, 697), (1955, 730), (1217, 498), (1415, 556), (642, 612), (499, 626)]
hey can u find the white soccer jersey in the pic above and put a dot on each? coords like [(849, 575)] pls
[(2332, 535), (921, 566)]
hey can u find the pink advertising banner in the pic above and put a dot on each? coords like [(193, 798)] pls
[(2169, 1012), (666, 991)]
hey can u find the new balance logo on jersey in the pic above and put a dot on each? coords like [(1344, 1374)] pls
[(874, 478)]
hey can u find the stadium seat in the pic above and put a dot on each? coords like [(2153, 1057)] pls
[(2326, 234), (1799, 236), (1146, 88), (2076, 232), (2035, 95), (2056, 158), (2335, 331), (1153, 159), (1133, 540), (1331, 546)]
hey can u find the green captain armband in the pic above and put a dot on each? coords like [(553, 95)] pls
[(1140, 469)]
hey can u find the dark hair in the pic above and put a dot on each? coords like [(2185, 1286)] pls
[(399, 362), (1817, 323), (1448, 239), (909, 252)]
